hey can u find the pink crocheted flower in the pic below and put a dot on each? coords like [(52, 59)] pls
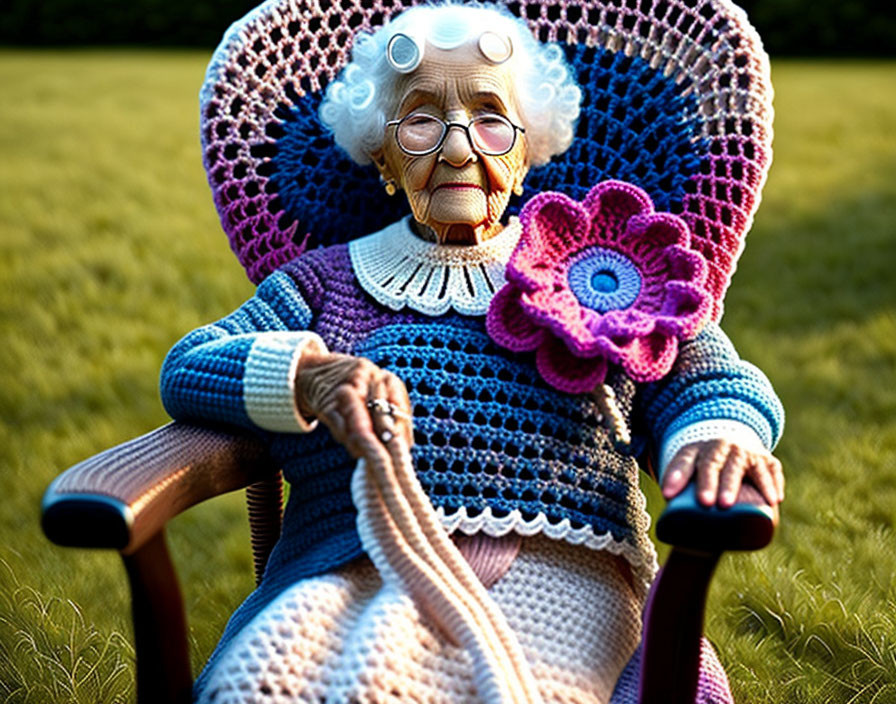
[(607, 280)]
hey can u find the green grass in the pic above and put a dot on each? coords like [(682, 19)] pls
[(110, 250)]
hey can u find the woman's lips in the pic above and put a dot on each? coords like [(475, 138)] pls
[(458, 186)]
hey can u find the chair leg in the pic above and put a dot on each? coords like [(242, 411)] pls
[(160, 625), (673, 627), (265, 502)]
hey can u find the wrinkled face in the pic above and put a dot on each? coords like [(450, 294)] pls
[(457, 191)]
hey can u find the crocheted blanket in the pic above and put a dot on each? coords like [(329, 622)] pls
[(677, 100)]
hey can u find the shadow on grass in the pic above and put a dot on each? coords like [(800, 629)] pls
[(823, 267)]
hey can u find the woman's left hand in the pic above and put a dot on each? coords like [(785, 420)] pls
[(721, 467)]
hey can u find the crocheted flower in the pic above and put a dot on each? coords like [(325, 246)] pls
[(607, 280)]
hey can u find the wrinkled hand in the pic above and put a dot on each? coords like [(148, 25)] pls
[(336, 388), (721, 467)]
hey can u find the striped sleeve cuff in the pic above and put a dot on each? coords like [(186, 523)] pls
[(731, 430), (269, 393)]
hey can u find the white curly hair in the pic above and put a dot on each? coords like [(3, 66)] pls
[(356, 104)]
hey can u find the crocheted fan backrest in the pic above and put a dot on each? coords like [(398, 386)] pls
[(676, 99)]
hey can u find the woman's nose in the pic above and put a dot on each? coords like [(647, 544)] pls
[(457, 149)]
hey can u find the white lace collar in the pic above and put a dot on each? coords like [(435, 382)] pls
[(399, 269)]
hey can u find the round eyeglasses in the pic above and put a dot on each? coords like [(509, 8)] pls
[(419, 134)]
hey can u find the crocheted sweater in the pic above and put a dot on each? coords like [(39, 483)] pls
[(496, 449)]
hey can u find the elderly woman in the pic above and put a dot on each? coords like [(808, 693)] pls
[(342, 349)]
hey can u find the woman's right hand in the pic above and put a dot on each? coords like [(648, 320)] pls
[(337, 390)]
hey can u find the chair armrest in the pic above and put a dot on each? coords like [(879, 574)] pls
[(748, 525), (673, 619), (122, 497)]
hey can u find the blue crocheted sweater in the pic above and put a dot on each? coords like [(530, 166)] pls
[(496, 449)]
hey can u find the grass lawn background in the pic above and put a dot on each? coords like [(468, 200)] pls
[(111, 250)]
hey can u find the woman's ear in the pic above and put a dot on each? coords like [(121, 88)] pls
[(520, 178), (378, 158)]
